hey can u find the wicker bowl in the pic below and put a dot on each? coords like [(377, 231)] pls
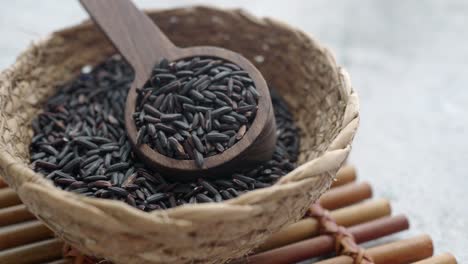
[(304, 72)]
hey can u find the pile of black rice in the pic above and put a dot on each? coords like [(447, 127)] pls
[(195, 108), (81, 145)]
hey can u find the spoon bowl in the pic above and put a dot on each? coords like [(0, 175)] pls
[(254, 147), (143, 45)]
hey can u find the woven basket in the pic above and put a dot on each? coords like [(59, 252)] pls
[(305, 74)]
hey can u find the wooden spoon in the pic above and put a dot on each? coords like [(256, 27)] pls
[(143, 45)]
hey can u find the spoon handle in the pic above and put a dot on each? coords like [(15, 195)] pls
[(133, 34)]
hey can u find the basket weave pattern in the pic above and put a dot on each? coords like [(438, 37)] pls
[(304, 73)]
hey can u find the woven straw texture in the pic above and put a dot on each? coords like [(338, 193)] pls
[(305, 74)]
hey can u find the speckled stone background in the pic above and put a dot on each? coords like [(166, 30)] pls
[(408, 61)]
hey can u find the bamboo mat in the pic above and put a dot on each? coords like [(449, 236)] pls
[(349, 203)]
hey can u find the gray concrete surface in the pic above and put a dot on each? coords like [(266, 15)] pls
[(409, 62)]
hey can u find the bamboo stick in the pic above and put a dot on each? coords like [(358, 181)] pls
[(347, 216), (444, 258), (345, 175), (38, 252), (404, 251), (14, 214), (399, 252), (325, 244), (23, 233), (8, 197), (345, 195)]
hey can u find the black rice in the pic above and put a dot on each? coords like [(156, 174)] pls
[(81, 145), (187, 96)]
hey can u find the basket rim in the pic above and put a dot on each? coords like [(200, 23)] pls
[(338, 150)]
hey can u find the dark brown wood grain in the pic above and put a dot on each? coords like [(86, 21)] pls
[(143, 44), (132, 32)]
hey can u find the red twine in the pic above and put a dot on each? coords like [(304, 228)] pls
[(344, 240)]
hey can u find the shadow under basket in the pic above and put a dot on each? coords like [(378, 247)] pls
[(317, 90)]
